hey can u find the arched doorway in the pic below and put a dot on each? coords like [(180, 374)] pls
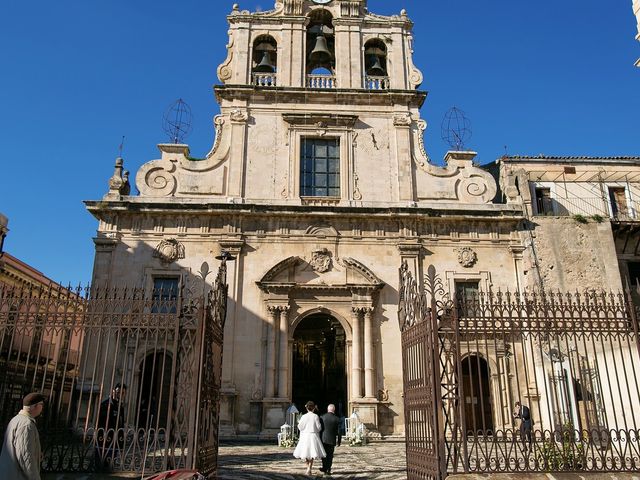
[(319, 368), (477, 395), (154, 389)]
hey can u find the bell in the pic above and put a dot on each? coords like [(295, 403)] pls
[(265, 65), (376, 70), (320, 53)]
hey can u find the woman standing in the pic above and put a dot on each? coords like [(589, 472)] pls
[(309, 445)]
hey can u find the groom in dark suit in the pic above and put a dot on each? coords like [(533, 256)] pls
[(330, 436), (526, 424)]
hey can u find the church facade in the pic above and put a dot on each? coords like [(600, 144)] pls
[(320, 185)]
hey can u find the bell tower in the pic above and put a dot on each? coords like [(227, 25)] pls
[(301, 40)]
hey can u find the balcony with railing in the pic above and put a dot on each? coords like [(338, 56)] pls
[(321, 81), (587, 207), (376, 83), (265, 79)]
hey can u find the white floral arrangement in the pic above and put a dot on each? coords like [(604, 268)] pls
[(359, 437)]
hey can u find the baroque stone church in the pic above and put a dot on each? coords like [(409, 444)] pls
[(319, 183)]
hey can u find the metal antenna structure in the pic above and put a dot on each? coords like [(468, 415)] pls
[(176, 121), (456, 129)]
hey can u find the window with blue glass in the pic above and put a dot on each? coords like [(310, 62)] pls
[(165, 294), (320, 167)]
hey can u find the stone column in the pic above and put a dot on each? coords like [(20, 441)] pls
[(270, 387), (356, 355), (283, 356), (369, 379)]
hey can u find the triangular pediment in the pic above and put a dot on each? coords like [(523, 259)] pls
[(320, 271)]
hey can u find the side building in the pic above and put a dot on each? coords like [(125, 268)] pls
[(584, 215), (36, 352)]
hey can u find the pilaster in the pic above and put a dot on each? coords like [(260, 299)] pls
[(228, 392), (356, 354), (103, 261), (369, 378)]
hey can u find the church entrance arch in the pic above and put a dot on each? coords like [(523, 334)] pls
[(154, 389), (319, 363), (477, 392)]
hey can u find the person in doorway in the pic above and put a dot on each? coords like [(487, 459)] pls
[(526, 424), (330, 437), (21, 454), (309, 446), (110, 426)]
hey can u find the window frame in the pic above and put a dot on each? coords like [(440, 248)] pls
[(312, 189), (160, 299), (345, 137)]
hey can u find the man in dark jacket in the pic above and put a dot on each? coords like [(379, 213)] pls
[(330, 436), (110, 427), (526, 424)]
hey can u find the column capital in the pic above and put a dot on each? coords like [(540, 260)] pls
[(278, 308), (106, 243), (232, 245), (410, 249), (362, 310)]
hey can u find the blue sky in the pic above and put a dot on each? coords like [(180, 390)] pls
[(553, 77)]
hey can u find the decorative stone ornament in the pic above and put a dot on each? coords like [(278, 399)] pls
[(467, 257), (169, 250), (119, 181), (238, 116), (321, 260)]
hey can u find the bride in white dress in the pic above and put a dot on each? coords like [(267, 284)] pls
[(309, 445)]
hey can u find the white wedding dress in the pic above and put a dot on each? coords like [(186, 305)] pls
[(309, 444)]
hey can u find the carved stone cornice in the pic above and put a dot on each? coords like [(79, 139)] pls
[(320, 119)]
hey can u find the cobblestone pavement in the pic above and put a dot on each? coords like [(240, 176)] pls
[(376, 461)]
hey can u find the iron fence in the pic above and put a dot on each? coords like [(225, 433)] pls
[(570, 360), (131, 376)]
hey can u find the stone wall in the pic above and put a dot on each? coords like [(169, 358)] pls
[(571, 255)]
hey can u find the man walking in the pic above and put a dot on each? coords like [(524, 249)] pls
[(526, 424), (20, 457), (330, 437), (110, 435)]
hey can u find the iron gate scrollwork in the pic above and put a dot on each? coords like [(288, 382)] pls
[(417, 314), (518, 382), (77, 345), (210, 347)]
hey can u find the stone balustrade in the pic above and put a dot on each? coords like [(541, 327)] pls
[(265, 79), (322, 81), (376, 83)]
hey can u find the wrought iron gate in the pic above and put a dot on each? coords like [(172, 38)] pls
[(132, 377), (417, 314), (513, 382)]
